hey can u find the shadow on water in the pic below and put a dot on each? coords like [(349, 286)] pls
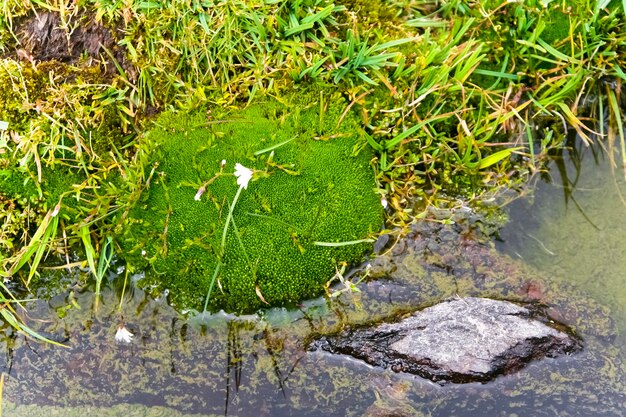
[(258, 365)]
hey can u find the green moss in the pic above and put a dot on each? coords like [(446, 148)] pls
[(375, 13), (317, 187), (558, 26), (21, 84), (21, 183), (14, 184)]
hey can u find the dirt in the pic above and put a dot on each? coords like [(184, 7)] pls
[(80, 39)]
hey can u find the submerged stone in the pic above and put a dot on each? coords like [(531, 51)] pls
[(459, 340)]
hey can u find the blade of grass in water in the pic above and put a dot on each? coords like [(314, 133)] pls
[(90, 252), (617, 115), (106, 255), (496, 157), (10, 318)]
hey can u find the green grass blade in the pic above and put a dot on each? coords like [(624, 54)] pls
[(425, 22), (393, 142), (365, 78), (213, 279), (106, 255), (319, 16), (392, 44), (498, 74), (287, 225), (298, 28), (617, 114), (90, 252), (33, 245), (556, 53), (10, 318), (338, 244), (461, 32), (496, 157), (619, 71), (49, 234), (271, 148), (375, 145)]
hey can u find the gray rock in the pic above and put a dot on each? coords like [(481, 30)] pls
[(459, 340)]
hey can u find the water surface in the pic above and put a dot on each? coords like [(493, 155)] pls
[(574, 227), (570, 258)]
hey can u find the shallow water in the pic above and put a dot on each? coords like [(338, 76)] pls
[(258, 365), (574, 229)]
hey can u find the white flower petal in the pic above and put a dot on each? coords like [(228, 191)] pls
[(123, 335), (384, 202), (243, 175)]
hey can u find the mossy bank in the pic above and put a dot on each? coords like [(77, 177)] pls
[(450, 101), (310, 206)]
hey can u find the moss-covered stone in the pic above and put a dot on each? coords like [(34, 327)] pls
[(317, 187)]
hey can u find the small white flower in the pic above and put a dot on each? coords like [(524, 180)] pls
[(243, 175), (384, 202), (199, 193), (56, 210), (123, 335), (143, 252), (223, 162)]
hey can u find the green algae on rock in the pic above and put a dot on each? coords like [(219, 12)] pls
[(313, 187)]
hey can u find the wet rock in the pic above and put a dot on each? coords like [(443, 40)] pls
[(459, 340)]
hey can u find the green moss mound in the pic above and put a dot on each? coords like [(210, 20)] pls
[(316, 186)]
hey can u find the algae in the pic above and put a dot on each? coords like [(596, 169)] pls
[(17, 410)]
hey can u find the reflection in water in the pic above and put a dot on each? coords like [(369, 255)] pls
[(568, 163), (578, 238), (233, 361)]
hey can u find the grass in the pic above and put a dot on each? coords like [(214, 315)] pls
[(456, 99)]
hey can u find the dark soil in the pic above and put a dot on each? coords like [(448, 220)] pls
[(43, 37)]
